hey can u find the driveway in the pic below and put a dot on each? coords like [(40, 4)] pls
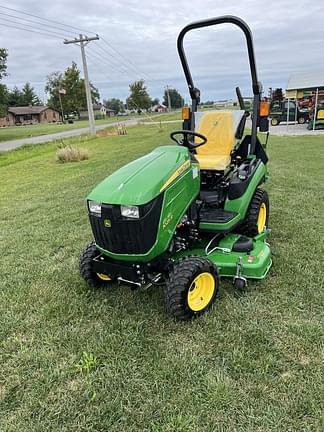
[(10, 145)]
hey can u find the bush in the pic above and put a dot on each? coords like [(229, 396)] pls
[(71, 154)]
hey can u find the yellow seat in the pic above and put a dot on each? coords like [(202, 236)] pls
[(320, 114), (219, 127)]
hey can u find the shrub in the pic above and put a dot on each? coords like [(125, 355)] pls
[(71, 154)]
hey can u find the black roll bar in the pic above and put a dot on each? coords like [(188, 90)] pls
[(256, 86)]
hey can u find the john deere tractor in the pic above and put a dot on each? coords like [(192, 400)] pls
[(186, 215)]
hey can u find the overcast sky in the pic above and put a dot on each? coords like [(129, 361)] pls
[(288, 36)]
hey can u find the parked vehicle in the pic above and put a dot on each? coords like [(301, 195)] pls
[(319, 119), (278, 112)]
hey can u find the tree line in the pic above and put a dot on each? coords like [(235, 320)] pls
[(66, 91)]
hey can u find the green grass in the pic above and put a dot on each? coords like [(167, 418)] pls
[(28, 131), (74, 359)]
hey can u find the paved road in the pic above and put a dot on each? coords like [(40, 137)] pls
[(291, 130), (10, 145)]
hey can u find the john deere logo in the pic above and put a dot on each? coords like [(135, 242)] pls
[(107, 223), (215, 123)]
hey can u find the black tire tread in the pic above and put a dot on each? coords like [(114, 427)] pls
[(179, 280), (250, 228), (85, 266)]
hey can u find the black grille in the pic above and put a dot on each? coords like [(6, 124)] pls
[(125, 235)]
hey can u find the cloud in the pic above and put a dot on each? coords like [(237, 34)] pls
[(287, 36)]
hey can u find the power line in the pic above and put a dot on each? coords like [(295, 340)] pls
[(134, 67), (32, 27), (46, 19), (123, 59), (96, 58), (101, 58), (117, 64), (36, 22), (32, 31)]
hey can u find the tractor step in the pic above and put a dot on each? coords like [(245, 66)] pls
[(216, 215)]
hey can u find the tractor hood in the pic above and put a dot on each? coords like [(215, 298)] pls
[(143, 179)]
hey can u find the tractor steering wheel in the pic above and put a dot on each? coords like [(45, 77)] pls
[(185, 141)]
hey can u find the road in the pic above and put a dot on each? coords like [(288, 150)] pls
[(274, 130), (10, 145)]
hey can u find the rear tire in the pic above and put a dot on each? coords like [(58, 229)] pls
[(191, 288), (302, 120), (257, 216), (275, 121), (95, 280)]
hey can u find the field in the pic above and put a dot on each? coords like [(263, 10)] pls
[(74, 359), (28, 131)]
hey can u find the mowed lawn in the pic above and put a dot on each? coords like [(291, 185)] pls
[(76, 359), (29, 131)]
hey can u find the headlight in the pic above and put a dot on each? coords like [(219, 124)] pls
[(94, 208), (130, 211)]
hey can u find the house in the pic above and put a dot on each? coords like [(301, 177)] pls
[(110, 112), (31, 115), (8, 120), (100, 111), (160, 108)]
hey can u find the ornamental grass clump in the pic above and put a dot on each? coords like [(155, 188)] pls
[(71, 154)]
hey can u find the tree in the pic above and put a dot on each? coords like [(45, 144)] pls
[(115, 104), (155, 101), (209, 102), (176, 99), (3, 100), (139, 97), (28, 95), (14, 97), (277, 95), (3, 88), (3, 62), (74, 98)]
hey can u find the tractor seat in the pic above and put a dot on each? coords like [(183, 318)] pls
[(220, 129)]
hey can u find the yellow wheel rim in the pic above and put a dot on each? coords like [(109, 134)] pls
[(201, 291), (262, 217), (103, 277)]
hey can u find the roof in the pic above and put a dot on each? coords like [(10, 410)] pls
[(28, 110), (159, 105), (97, 106), (308, 80)]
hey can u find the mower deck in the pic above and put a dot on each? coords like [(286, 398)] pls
[(249, 263)]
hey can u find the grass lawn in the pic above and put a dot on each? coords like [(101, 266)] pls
[(74, 359), (28, 131)]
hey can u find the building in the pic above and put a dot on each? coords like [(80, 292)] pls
[(160, 108), (30, 115), (100, 111), (304, 85)]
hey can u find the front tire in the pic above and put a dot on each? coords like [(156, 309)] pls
[(302, 120), (93, 279), (191, 288), (257, 216)]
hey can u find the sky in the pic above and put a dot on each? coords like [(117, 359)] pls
[(288, 37)]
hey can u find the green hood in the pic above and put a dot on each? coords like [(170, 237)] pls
[(143, 179)]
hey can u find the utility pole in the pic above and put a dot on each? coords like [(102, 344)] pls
[(169, 99), (61, 91), (83, 41)]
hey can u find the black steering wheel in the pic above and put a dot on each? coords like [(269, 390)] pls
[(186, 141)]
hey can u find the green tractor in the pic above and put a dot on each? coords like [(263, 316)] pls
[(318, 113), (185, 215)]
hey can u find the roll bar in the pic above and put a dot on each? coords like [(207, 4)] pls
[(256, 86)]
